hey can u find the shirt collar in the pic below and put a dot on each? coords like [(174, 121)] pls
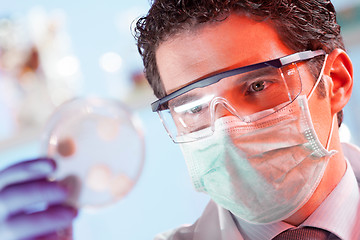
[(339, 213)]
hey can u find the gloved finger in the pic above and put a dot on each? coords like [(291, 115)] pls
[(26, 226), (73, 185), (26, 171), (63, 234), (21, 197), (51, 236)]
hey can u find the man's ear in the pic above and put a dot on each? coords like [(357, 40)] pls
[(339, 71)]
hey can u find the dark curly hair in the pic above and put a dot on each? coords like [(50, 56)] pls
[(301, 24)]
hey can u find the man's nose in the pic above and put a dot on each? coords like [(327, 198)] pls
[(222, 108)]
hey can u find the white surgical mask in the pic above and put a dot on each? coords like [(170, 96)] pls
[(262, 171)]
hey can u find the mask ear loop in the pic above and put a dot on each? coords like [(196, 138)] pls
[(319, 78), (331, 132), (311, 93), (333, 118)]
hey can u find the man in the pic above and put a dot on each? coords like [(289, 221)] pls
[(253, 92)]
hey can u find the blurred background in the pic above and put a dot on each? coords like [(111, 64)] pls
[(52, 51)]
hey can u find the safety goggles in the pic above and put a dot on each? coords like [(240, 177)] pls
[(251, 92)]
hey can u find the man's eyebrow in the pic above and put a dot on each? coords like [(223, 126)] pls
[(185, 102), (183, 99)]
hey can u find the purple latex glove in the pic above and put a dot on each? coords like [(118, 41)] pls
[(32, 206)]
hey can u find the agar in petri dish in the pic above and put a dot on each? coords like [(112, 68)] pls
[(121, 184), (108, 129), (66, 147), (100, 143), (99, 177)]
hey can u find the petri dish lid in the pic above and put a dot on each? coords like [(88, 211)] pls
[(98, 145)]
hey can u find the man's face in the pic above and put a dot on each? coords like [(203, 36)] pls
[(235, 42)]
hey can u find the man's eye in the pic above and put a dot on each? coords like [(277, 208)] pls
[(257, 86)]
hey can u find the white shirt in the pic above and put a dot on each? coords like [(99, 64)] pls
[(339, 214)]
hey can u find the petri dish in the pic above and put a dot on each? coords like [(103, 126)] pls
[(98, 145)]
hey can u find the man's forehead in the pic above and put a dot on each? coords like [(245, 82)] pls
[(234, 42)]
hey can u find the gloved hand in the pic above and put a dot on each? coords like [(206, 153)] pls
[(31, 206)]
